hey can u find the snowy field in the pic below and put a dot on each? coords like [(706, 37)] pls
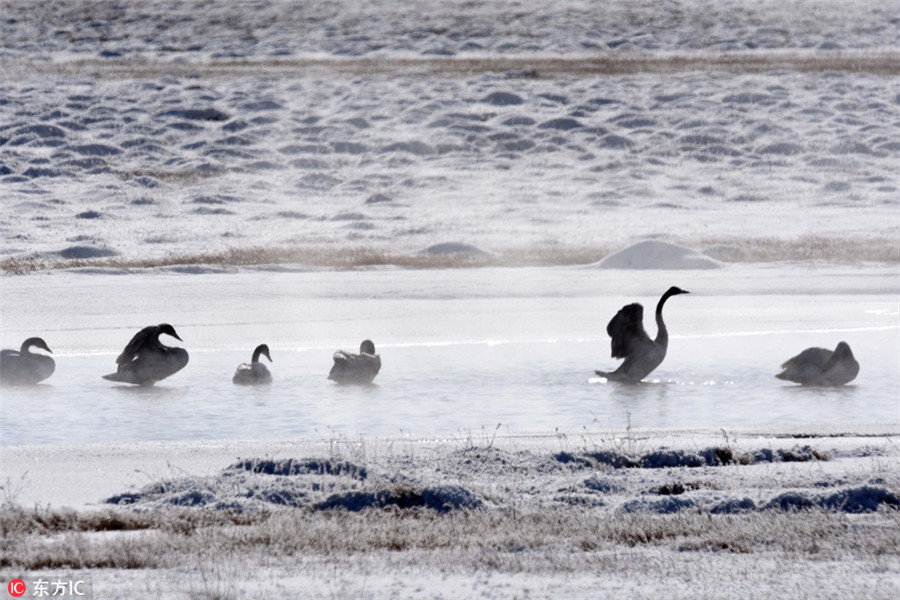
[(328, 134), (746, 513), (452, 180)]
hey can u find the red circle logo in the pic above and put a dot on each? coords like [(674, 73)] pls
[(16, 588)]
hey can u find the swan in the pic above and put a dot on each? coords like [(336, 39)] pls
[(631, 342), (145, 360), (255, 372), (356, 368), (24, 367), (820, 366)]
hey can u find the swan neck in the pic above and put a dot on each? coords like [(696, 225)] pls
[(662, 335)]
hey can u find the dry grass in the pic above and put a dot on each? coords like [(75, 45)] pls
[(772, 249), (761, 61), (335, 258), (750, 250), (549, 538)]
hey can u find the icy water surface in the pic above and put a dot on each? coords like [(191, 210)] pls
[(494, 352)]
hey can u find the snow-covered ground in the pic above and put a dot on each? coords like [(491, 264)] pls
[(738, 513), (269, 171), (327, 128)]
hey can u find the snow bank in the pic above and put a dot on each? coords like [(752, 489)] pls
[(661, 480), (322, 484), (453, 248), (653, 254)]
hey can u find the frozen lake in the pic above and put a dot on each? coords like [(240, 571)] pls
[(463, 350)]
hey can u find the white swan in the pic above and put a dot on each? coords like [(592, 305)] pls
[(255, 372), (145, 360), (356, 368), (820, 366), (631, 342), (23, 367)]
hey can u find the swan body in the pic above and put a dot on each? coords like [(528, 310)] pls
[(821, 367), (145, 360), (255, 372), (356, 368), (631, 342), (23, 367)]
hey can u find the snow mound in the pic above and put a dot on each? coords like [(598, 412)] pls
[(850, 500), (85, 252), (653, 254), (290, 466), (319, 484), (855, 500), (503, 99), (442, 498), (452, 248), (670, 459)]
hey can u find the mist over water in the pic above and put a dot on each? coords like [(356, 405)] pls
[(463, 351)]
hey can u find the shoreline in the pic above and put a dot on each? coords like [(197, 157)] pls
[(108, 468)]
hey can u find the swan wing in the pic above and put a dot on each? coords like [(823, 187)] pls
[(252, 373), (811, 358), (627, 331), (354, 368), (806, 367), (141, 340)]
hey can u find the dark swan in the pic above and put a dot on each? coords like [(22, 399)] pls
[(145, 360), (255, 372), (18, 367), (820, 366), (356, 368), (631, 342)]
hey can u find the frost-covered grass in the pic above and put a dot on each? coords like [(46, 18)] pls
[(627, 513), (598, 508), (340, 258), (510, 539)]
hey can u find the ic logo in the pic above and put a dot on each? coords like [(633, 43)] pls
[(16, 588)]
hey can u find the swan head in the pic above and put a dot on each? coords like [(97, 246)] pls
[(367, 347), (674, 290), (35, 342), (843, 350), (169, 330), (261, 350)]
